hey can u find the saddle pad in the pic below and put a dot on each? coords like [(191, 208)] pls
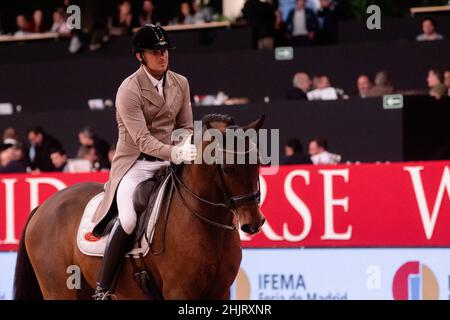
[(93, 246)]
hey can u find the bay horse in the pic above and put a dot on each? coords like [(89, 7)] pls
[(200, 244)]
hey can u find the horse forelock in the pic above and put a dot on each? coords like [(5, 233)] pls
[(217, 119)]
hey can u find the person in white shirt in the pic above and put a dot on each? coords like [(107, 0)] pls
[(324, 90), (59, 22), (318, 151), (429, 31)]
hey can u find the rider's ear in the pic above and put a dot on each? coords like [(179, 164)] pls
[(257, 124)]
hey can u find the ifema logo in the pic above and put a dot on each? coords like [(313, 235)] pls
[(415, 281)]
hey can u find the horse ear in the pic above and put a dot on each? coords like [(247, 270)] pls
[(257, 124)]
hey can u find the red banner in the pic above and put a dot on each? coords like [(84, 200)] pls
[(367, 205)]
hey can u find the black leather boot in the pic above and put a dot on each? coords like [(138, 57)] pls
[(112, 261)]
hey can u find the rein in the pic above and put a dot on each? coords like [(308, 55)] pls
[(230, 203)]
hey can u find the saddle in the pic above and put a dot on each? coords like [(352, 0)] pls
[(150, 198), (144, 199)]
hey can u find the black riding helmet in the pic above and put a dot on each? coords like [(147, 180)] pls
[(151, 37)]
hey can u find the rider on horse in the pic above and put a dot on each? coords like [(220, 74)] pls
[(150, 104)]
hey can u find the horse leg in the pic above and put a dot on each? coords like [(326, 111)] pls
[(50, 240)]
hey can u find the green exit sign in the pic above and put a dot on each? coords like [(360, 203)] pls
[(393, 101), (284, 53)]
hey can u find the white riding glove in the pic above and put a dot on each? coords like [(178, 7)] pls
[(185, 152)]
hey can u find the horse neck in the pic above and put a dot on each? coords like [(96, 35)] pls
[(201, 180)]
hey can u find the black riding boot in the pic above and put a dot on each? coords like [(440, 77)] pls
[(114, 254)]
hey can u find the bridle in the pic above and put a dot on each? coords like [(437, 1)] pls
[(230, 203)]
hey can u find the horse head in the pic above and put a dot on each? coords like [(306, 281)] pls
[(235, 166)]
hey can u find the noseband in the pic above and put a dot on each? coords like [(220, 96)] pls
[(230, 203)]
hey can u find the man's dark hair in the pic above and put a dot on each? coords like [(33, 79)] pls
[(439, 74), (433, 22), (295, 144), (89, 132), (321, 142), (36, 130), (61, 151)]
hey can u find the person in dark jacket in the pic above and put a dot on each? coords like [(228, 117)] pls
[(301, 25), (294, 153), (301, 84), (261, 18), (41, 145), (328, 22), (59, 160)]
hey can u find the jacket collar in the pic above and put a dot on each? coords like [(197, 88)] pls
[(149, 91)]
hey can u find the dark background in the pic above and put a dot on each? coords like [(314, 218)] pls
[(54, 79)]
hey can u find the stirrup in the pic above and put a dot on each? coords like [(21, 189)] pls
[(104, 295)]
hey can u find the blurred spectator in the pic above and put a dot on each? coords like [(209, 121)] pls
[(316, 81), (314, 5), (148, 15), (86, 160), (323, 91), (261, 18), (12, 158), (38, 25), (23, 25), (364, 85), (429, 32), (200, 14), (186, 14), (39, 150), (301, 84), (280, 30), (447, 81), (301, 24), (59, 22), (190, 13), (435, 82), (328, 23), (293, 151), (111, 153), (10, 134), (59, 160), (382, 85), (123, 20), (318, 150), (88, 137)]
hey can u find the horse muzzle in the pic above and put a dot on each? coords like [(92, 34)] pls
[(251, 221)]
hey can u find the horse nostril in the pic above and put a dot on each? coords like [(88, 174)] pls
[(249, 229), (246, 228)]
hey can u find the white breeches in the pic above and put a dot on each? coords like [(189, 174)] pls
[(140, 171)]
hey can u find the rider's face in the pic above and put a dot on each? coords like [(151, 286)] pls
[(157, 61)]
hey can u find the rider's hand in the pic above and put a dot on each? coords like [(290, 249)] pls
[(185, 152)]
